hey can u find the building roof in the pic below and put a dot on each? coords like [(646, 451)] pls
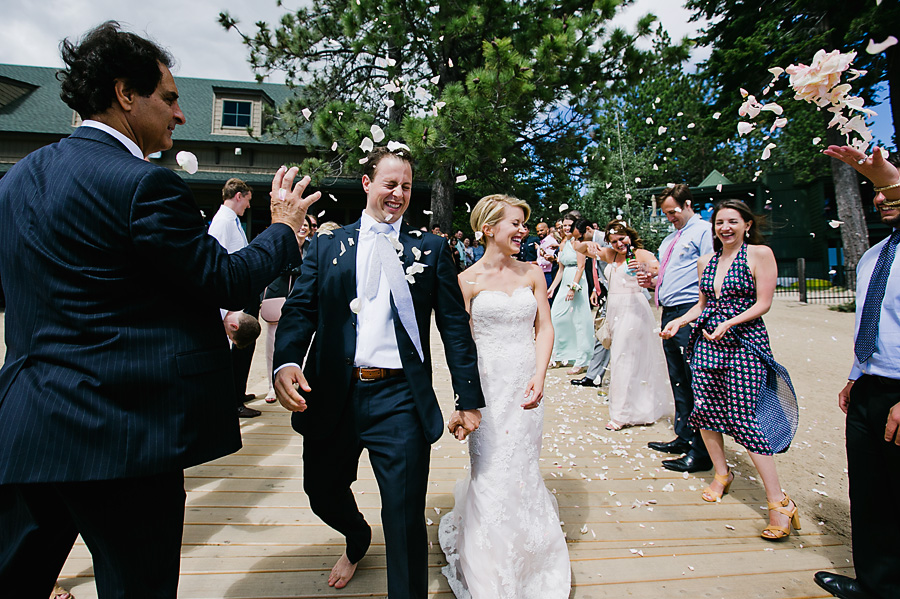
[(714, 178), (30, 103)]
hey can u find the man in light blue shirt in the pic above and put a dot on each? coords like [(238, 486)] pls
[(871, 400), (677, 290)]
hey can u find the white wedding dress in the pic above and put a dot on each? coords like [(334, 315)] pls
[(639, 389), (503, 539)]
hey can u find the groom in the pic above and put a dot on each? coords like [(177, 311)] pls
[(363, 314)]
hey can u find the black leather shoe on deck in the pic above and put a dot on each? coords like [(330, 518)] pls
[(245, 412), (584, 382), (689, 462), (678, 446), (840, 586)]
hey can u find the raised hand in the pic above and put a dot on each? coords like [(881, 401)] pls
[(287, 202), (874, 167), (287, 381)]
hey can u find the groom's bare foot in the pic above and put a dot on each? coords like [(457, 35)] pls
[(342, 572)]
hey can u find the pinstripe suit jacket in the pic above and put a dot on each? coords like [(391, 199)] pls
[(117, 363)]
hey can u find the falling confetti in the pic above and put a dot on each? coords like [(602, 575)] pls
[(367, 145), (834, 224), (187, 161), (563, 207), (334, 146), (306, 112), (377, 133), (874, 48), (461, 178)]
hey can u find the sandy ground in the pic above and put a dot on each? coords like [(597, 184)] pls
[(815, 344)]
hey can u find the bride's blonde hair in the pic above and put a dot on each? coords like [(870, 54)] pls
[(489, 211)]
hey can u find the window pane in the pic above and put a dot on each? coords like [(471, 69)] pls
[(236, 114)]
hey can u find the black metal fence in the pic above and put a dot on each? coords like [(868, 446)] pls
[(814, 283)]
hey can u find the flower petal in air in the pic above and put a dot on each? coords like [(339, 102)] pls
[(773, 107), (880, 47), (377, 133), (744, 127), (393, 146), (461, 178), (661, 130), (187, 161), (563, 207), (767, 151)]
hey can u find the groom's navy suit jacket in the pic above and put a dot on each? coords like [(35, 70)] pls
[(117, 362), (317, 317)]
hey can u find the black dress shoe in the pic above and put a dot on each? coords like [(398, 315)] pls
[(689, 462), (841, 586), (584, 382), (249, 397), (678, 446), (245, 412)]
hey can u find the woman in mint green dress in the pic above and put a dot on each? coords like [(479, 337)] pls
[(571, 311)]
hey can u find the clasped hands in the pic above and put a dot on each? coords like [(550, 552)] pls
[(464, 422)]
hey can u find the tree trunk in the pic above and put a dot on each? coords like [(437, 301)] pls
[(443, 192), (854, 232), (893, 77)]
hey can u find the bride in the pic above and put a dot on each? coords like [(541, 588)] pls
[(503, 538)]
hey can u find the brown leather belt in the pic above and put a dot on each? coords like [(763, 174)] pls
[(376, 374)]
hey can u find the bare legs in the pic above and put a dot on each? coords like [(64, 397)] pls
[(765, 465)]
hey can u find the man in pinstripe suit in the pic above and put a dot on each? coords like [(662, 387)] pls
[(117, 372)]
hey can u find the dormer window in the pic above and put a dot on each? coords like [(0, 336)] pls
[(237, 110), (236, 113)]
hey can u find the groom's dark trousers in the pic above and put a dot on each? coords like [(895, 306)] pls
[(381, 417)]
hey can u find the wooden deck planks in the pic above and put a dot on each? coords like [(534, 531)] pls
[(634, 529)]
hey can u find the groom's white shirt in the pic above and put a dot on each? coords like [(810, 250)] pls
[(376, 339)]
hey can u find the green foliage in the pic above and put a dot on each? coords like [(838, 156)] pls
[(502, 92), (845, 307)]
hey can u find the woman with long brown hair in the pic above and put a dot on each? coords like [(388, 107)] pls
[(732, 363)]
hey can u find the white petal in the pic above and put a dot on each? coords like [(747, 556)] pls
[(608, 185), (874, 48), (354, 305), (366, 145), (637, 179), (427, 212), (377, 133), (816, 140), (717, 115), (421, 91), (331, 195), (649, 121), (363, 160), (435, 79), (306, 112), (563, 207), (478, 235), (691, 125), (321, 214), (187, 161), (773, 107), (719, 187), (744, 127), (393, 146), (461, 178), (834, 224), (767, 151), (450, 62), (388, 102), (334, 146), (661, 130)]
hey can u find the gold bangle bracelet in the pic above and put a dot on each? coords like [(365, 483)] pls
[(886, 187)]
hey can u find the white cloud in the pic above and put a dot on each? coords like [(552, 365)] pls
[(188, 29)]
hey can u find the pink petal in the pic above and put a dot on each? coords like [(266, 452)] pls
[(878, 48)]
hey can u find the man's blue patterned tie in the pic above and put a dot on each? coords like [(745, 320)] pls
[(867, 336)]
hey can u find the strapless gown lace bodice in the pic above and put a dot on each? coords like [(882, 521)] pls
[(503, 538)]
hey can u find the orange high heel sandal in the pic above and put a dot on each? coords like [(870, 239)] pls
[(780, 532), (710, 495)]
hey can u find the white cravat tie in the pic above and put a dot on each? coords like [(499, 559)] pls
[(384, 258)]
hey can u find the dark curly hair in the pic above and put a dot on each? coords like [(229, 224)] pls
[(103, 55)]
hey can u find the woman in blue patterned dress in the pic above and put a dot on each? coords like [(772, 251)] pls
[(729, 352)]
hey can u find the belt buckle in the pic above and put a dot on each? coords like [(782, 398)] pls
[(364, 371)]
